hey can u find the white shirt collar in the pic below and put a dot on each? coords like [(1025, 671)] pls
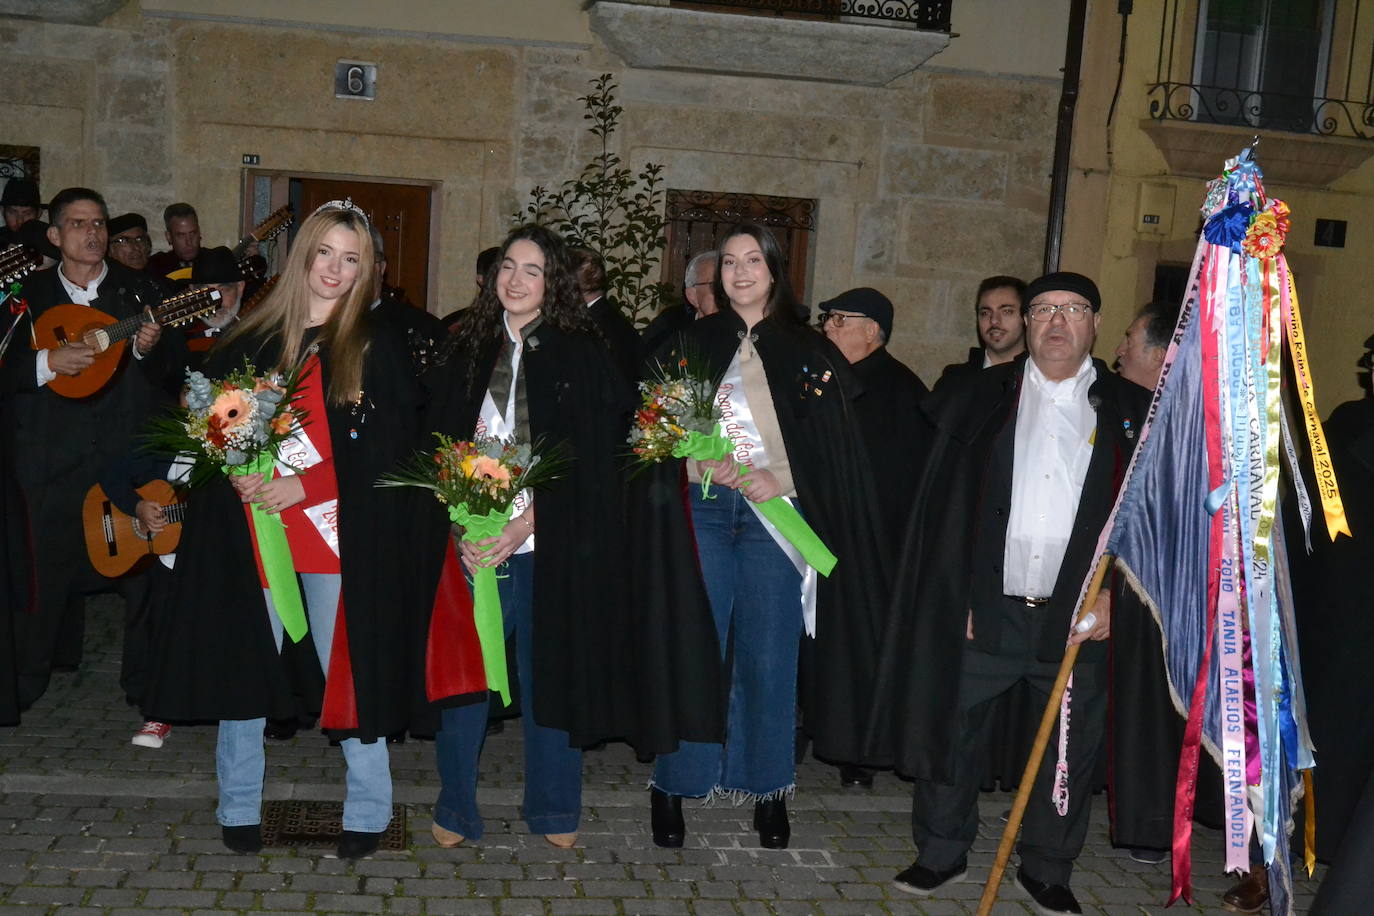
[(1077, 384), (80, 295)]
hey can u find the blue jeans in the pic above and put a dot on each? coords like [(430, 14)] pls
[(240, 760), (755, 594), (553, 769)]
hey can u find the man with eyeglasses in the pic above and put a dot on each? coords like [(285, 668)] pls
[(1024, 466), (859, 323), (698, 301), (130, 244), (60, 444)]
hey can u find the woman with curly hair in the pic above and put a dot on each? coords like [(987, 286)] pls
[(527, 363)]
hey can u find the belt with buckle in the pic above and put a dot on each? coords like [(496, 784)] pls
[(1029, 600)]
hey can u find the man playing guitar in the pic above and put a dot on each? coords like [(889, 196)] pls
[(60, 444)]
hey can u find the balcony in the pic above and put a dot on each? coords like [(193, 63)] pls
[(1299, 75), (862, 42)]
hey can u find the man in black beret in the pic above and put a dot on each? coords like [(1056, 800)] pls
[(130, 244), (859, 323), (19, 203), (1022, 473)]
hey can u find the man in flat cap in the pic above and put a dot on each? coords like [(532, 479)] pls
[(1023, 470), (19, 203), (859, 323), (130, 243)]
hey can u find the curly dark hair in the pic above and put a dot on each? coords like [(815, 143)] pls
[(562, 306)]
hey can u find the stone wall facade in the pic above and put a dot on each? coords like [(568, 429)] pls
[(924, 186)]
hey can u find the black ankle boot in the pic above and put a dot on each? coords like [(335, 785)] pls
[(770, 820), (665, 815)]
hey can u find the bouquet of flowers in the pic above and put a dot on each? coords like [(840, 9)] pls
[(482, 482), (237, 425), (679, 417)]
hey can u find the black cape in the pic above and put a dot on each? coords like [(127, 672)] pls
[(1336, 628), (943, 572), (813, 390), (216, 658), (613, 658)]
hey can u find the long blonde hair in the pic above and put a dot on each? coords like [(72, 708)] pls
[(286, 311)]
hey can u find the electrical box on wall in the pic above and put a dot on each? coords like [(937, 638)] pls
[(355, 79), (1154, 212)]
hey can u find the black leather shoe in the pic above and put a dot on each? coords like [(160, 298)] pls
[(770, 820), (923, 881), (665, 816), (1050, 899), (355, 844), (855, 777), (245, 840), (280, 729), (1250, 894), (396, 737)]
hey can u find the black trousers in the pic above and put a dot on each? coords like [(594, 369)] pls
[(944, 818)]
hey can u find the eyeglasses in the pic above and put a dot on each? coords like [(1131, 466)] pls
[(700, 283), (838, 318), (140, 240), (1072, 312)]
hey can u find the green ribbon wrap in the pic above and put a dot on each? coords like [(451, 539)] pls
[(275, 553), (781, 513), (486, 599)]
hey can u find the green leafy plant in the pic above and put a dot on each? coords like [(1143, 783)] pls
[(611, 210)]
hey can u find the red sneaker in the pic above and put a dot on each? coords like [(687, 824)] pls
[(152, 734)]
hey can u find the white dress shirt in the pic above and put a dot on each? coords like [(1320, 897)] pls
[(1055, 428), (79, 295)]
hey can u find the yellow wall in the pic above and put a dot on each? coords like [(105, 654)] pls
[(1101, 238)]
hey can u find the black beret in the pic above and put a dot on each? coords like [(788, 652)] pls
[(126, 222), (863, 301), (216, 265), (1065, 281), (34, 234), (21, 192)]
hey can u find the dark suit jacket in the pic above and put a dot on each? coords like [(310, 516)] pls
[(974, 363), (952, 558), (626, 348)]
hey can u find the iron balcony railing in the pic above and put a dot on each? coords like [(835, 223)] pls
[(925, 14), (1285, 65)]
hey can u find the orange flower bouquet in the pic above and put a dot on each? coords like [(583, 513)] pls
[(479, 482)]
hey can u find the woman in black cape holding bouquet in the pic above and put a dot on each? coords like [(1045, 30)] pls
[(527, 363), (785, 393), (221, 655)]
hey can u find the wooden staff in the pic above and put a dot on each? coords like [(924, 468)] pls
[(1042, 740)]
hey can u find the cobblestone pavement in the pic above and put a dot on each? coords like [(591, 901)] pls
[(90, 824)]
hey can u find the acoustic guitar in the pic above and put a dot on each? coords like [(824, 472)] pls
[(118, 543), (68, 324), (255, 267)]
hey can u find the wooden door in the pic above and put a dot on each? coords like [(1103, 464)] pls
[(697, 220), (400, 211)]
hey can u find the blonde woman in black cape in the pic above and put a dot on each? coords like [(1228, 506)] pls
[(225, 661)]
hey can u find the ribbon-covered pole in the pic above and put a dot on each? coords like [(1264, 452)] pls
[(19, 308), (1042, 740), (486, 597), (275, 553)]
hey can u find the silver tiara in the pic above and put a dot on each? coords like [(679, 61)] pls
[(345, 204)]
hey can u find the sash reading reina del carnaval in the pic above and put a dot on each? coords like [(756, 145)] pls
[(1197, 532)]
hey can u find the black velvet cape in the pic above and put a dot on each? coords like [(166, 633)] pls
[(619, 651), (950, 563), (215, 658), (813, 390)]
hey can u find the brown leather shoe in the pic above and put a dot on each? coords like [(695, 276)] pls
[(1250, 894)]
